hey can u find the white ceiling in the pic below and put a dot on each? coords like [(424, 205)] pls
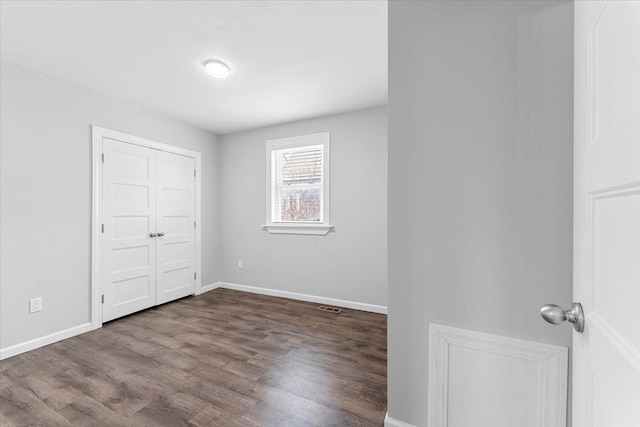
[(289, 60)]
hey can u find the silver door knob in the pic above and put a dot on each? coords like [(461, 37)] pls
[(153, 235), (555, 315), (160, 234)]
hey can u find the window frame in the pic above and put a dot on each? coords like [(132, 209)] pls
[(292, 227)]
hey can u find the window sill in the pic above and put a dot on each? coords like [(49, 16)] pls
[(318, 230)]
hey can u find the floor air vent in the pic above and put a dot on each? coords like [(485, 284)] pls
[(335, 310)]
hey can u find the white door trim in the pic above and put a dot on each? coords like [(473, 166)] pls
[(97, 134)]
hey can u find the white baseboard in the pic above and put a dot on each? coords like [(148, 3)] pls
[(45, 340), (208, 288), (392, 422), (86, 327), (304, 297)]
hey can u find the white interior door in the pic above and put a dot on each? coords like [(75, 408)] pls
[(606, 357), (129, 216), (176, 227)]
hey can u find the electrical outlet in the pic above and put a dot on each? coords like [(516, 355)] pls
[(240, 264), (35, 305)]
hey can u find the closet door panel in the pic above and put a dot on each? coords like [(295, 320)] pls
[(175, 219), (129, 215)]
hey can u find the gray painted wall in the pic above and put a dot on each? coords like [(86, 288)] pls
[(348, 264), (46, 196), (480, 177)]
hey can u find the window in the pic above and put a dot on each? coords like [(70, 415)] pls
[(298, 185)]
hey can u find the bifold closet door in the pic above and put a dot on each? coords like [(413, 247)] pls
[(175, 218), (129, 217)]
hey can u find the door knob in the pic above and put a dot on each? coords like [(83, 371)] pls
[(555, 315), (160, 234), (153, 234)]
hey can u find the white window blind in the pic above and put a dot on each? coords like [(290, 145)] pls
[(296, 184)]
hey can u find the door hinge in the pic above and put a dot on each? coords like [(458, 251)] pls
[(103, 298), (195, 275), (103, 228), (194, 224), (102, 157), (194, 173)]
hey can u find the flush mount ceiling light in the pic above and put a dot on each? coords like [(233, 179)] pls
[(216, 69)]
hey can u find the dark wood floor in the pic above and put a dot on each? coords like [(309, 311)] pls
[(224, 358)]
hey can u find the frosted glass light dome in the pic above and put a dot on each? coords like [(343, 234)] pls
[(217, 69)]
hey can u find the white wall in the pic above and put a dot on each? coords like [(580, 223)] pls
[(480, 177), (348, 264), (46, 196)]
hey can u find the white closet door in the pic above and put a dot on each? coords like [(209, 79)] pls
[(176, 216), (129, 215)]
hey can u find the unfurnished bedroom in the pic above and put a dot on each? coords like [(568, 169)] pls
[(403, 213)]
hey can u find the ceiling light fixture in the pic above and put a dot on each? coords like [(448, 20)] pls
[(217, 69)]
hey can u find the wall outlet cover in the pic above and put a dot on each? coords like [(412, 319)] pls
[(35, 305)]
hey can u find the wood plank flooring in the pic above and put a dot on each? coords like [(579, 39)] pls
[(224, 358)]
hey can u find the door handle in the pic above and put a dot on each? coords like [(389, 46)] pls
[(160, 234), (153, 235), (555, 315)]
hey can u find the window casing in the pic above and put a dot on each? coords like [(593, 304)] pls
[(298, 185)]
